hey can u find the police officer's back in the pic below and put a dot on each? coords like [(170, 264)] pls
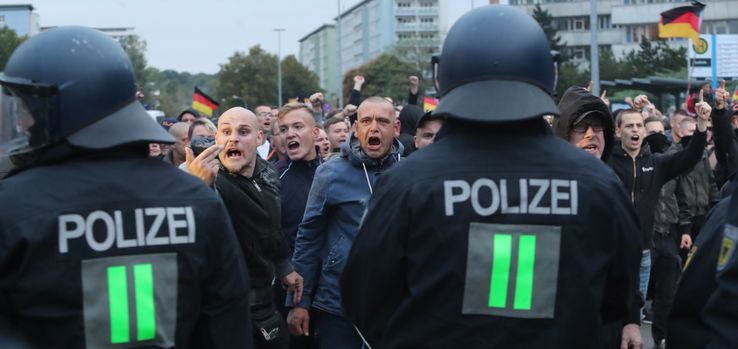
[(513, 244), (100, 246)]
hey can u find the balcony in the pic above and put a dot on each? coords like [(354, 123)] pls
[(416, 11), (416, 27)]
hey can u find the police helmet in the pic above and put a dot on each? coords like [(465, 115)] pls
[(74, 84), (496, 66)]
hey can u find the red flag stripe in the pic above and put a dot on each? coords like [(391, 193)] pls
[(689, 18), (204, 100)]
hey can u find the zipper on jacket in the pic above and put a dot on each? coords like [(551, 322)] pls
[(256, 185), (632, 191)]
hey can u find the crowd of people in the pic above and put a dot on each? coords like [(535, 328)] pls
[(374, 225)]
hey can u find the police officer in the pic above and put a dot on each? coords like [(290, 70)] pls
[(101, 246), (513, 244)]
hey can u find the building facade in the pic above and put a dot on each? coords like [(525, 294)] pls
[(20, 18), (411, 28), (318, 53), (622, 23)]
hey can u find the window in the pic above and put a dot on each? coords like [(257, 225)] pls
[(403, 4), (603, 22), (427, 20)]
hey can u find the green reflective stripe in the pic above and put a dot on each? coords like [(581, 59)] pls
[(145, 314), (501, 255), (118, 299), (524, 279)]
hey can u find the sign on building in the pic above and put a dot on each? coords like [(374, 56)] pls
[(716, 57)]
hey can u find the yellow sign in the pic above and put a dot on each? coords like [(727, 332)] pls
[(701, 46)]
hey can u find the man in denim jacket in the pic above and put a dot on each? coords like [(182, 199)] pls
[(336, 203)]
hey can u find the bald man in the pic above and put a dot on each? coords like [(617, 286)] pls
[(248, 186), (177, 153)]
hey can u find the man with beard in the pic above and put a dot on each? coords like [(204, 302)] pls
[(643, 173), (337, 201), (586, 122), (249, 188)]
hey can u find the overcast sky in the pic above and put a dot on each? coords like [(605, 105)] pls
[(198, 36)]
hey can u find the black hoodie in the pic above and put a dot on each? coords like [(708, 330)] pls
[(409, 117), (577, 101)]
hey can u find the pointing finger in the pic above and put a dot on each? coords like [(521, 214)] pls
[(604, 94), (722, 83), (589, 86), (188, 155), (702, 97)]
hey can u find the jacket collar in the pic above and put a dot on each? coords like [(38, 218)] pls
[(351, 150)]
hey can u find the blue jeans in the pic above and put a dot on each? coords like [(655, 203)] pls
[(337, 332), (645, 273)]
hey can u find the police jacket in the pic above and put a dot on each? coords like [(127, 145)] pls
[(337, 201), (127, 251), (721, 310), (643, 176), (519, 248), (254, 208), (687, 326), (295, 177)]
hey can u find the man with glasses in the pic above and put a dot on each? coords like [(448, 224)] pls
[(586, 122), (264, 116)]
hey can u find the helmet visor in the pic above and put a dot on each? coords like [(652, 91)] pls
[(24, 115)]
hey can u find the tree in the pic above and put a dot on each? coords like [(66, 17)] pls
[(297, 80), (545, 20), (655, 59), (385, 76), (136, 50), (252, 79), (9, 41)]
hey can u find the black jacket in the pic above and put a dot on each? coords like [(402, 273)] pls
[(643, 177), (74, 234), (577, 101), (420, 269), (295, 177), (687, 326), (721, 311), (254, 208)]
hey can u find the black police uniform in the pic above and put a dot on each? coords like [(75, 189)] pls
[(419, 271), (686, 326), (73, 232), (500, 234), (101, 246)]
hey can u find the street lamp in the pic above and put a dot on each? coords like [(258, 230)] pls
[(279, 65)]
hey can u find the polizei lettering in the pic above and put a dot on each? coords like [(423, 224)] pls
[(151, 226), (523, 196)]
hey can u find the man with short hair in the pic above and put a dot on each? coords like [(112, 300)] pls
[(177, 154), (643, 173), (337, 200), (428, 127), (264, 117), (337, 131)]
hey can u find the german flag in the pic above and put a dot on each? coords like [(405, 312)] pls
[(429, 104), (203, 103), (682, 22)]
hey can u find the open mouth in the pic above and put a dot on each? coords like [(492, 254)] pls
[(374, 141), (233, 153), (590, 147), (293, 145)]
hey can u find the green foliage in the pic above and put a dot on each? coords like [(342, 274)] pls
[(297, 80), (136, 50), (655, 57), (252, 78), (385, 76), (175, 89), (9, 41), (545, 20)]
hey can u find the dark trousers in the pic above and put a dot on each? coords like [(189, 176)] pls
[(665, 274), (337, 332), (270, 330), (296, 342)]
